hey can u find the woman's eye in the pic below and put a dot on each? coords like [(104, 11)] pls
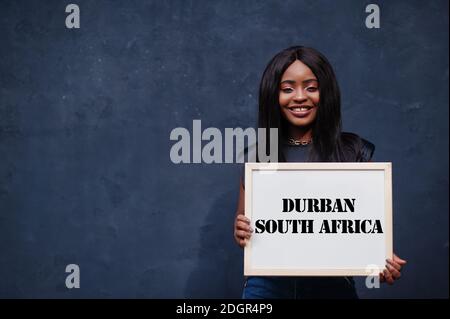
[(286, 90), (311, 89)]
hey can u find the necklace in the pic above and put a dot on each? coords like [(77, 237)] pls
[(295, 142)]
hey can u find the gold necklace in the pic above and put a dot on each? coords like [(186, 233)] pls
[(295, 142)]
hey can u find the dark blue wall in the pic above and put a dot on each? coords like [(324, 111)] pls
[(85, 118)]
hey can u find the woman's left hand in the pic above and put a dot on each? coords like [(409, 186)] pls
[(393, 270)]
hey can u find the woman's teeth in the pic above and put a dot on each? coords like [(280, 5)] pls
[(298, 109)]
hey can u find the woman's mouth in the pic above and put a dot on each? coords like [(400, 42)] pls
[(300, 111)]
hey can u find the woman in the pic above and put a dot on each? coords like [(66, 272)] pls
[(300, 96)]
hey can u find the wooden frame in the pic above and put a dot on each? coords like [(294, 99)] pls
[(272, 267)]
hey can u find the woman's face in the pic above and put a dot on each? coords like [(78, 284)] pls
[(299, 95)]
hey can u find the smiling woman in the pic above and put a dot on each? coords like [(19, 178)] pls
[(299, 95), (299, 98)]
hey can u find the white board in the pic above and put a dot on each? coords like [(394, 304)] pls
[(365, 187)]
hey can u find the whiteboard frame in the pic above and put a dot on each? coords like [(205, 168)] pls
[(250, 270)]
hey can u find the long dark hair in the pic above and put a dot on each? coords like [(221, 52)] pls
[(329, 144)]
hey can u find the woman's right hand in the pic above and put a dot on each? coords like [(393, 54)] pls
[(242, 230)]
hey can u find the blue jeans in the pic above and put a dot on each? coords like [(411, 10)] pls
[(299, 288)]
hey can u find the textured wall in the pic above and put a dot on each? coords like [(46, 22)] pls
[(85, 117)]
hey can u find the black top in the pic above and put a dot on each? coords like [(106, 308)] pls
[(299, 153), (292, 153)]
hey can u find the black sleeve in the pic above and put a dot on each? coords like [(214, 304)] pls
[(366, 151)]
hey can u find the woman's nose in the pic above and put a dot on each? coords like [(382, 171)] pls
[(300, 96)]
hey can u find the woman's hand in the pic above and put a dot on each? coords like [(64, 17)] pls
[(393, 270), (242, 230)]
